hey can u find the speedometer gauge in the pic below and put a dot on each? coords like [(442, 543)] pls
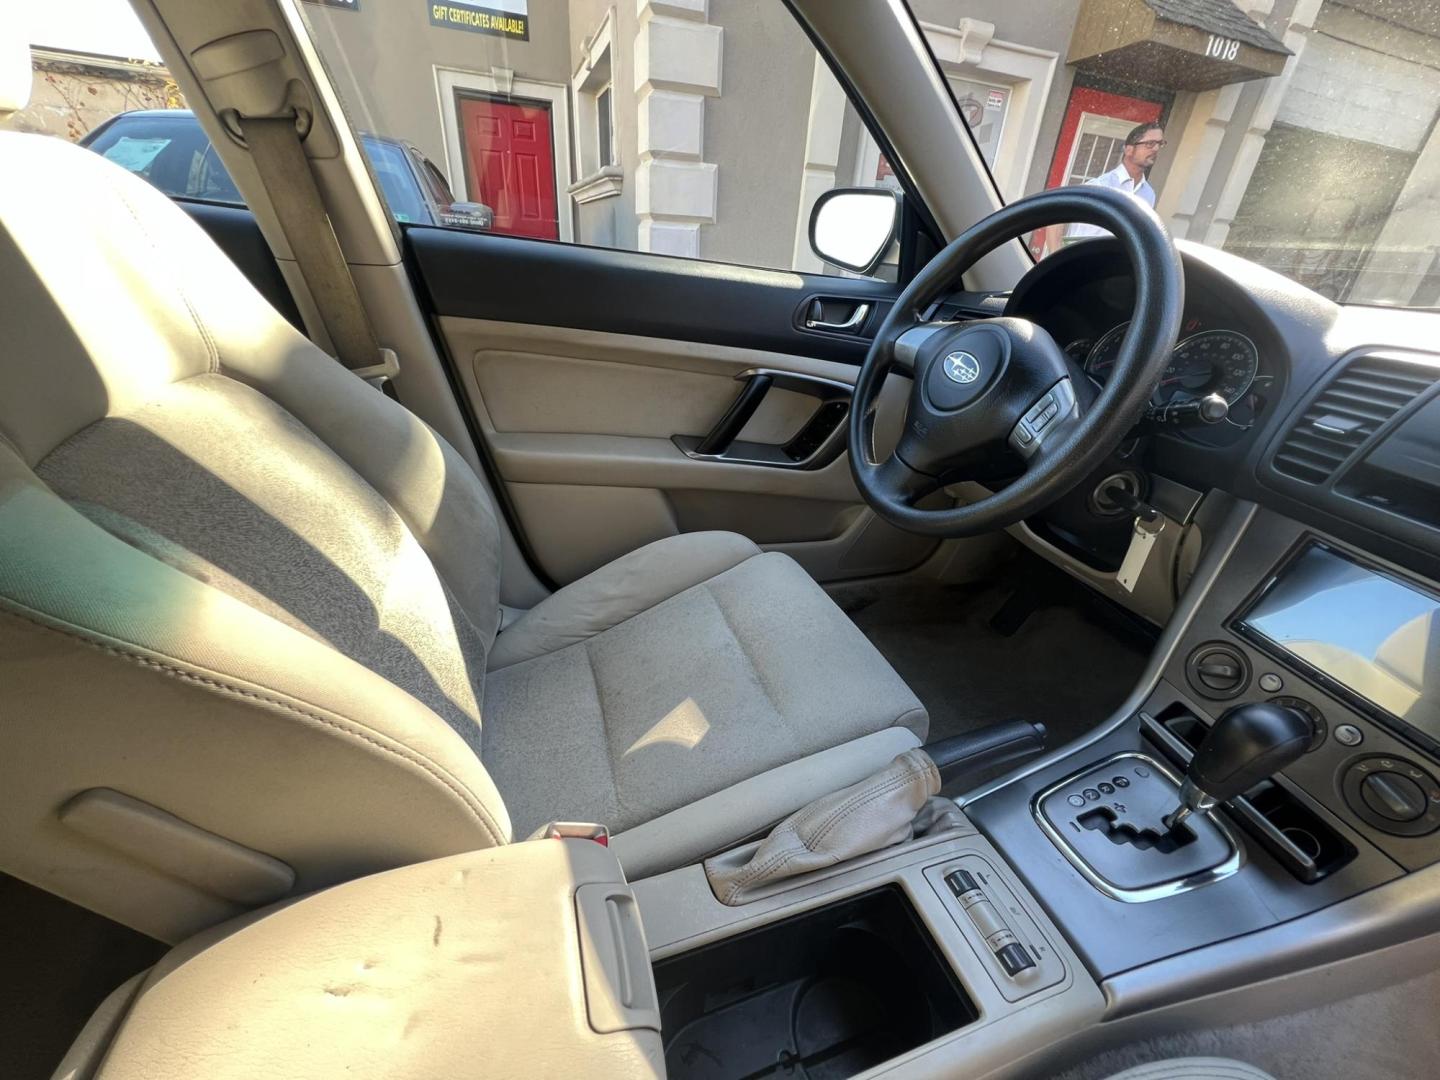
[(1213, 362), (1101, 358)]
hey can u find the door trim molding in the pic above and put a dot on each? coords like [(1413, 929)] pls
[(450, 80)]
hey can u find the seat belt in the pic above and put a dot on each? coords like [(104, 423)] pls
[(285, 171)]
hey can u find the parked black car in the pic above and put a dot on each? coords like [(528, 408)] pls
[(169, 148)]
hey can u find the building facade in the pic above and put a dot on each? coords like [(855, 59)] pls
[(1301, 133), (71, 92)]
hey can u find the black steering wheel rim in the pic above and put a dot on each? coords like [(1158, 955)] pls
[(891, 487)]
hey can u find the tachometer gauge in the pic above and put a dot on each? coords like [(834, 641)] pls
[(1078, 349), (1101, 359), (1212, 362)]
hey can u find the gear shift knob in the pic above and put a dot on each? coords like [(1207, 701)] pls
[(1246, 745)]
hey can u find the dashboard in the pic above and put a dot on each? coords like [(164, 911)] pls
[(1327, 414), (1220, 362), (1225, 352)]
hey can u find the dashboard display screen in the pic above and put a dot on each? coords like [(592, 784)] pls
[(1372, 634)]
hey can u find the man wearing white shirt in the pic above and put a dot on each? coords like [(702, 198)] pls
[(1142, 147)]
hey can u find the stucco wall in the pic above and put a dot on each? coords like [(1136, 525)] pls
[(383, 59), (610, 222), (1045, 26), (755, 132), (72, 98)]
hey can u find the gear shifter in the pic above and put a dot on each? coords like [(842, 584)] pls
[(1246, 745)]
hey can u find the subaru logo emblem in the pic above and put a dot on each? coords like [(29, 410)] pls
[(961, 367)]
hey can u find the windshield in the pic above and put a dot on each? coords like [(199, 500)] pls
[(1297, 134)]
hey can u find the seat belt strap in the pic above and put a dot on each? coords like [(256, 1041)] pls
[(285, 171)]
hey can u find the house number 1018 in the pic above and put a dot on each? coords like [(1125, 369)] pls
[(1222, 48)]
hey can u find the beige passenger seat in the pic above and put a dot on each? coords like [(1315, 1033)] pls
[(522, 960)]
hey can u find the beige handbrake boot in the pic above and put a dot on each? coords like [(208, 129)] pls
[(892, 806)]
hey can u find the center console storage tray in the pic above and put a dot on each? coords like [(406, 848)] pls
[(825, 994)]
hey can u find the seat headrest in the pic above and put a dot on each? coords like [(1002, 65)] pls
[(15, 73)]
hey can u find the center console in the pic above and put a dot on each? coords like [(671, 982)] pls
[(927, 959), (1288, 619), (1256, 810)]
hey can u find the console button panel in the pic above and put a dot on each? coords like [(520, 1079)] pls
[(1351, 733), (1010, 945)]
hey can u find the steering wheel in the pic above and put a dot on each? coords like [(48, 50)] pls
[(987, 387)]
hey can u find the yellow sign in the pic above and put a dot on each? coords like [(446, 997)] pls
[(503, 18)]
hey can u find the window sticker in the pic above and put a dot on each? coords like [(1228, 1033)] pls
[(135, 155)]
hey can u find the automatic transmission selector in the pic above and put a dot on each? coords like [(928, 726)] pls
[(1247, 744)]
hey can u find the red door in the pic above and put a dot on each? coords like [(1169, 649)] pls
[(1093, 104), (511, 165), (1084, 100)]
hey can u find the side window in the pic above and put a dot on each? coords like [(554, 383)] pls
[(170, 150), (705, 130), (212, 180), (438, 185), (397, 180)]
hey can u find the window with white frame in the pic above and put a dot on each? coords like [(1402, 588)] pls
[(595, 116), (604, 127)]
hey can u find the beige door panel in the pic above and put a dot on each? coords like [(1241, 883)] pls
[(574, 529), (580, 425), (527, 392)]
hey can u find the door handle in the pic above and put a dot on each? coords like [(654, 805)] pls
[(854, 322), (815, 445)]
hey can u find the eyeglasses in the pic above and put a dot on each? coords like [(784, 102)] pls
[(1156, 143)]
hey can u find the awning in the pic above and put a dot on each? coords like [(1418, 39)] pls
[(1174, 44)]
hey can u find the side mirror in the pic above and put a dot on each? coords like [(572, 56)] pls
[(853, 227), (467, 215)]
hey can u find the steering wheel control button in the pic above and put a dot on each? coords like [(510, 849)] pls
[(1349, 735), (1218, 670), (1044, 416), (1271, 683), (1391, 794)]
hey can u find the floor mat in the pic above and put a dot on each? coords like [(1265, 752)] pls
[(1069, 664), (57, 963)]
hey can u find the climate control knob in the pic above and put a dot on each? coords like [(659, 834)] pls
[(1393, 795), (1218, 670)]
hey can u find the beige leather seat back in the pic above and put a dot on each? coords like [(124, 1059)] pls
[(237, 585)]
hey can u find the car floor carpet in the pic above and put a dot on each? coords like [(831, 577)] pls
[(1070, 663)]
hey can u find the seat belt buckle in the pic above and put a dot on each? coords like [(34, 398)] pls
[(387, 368), (577, 830)]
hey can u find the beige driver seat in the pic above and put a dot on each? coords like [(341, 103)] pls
[(249, 609)]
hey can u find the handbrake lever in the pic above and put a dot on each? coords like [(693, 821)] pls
[(997, 744)]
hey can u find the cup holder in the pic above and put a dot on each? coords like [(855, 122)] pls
[(1305, 840)]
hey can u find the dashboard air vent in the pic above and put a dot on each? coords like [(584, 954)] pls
[(1352, 408)]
